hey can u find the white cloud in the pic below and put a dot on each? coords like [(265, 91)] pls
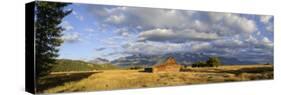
[(145, 19), (78, 16), (266, 42), (67, 26), (100, 49), (265, 19), (114, 42), (230, 43), (163, 35), (165, 30), (89, 30), (233, 22), (71, 37), (151, 47), (251, 39), (201, 46), (269, 27), (116, 19), (122, 31)]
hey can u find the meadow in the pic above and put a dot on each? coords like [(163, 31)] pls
[(125, 79)]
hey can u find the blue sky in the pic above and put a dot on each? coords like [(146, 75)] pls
[(110, 32)]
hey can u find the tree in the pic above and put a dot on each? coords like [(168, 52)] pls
[(199, 64), (48, 32), (213, 62)]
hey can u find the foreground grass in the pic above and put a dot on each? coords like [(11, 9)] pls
[(121, 79)]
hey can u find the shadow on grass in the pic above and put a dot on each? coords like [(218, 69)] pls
[(146, 70), (255, 70), (251, 70), (54, 80), (186, 70)]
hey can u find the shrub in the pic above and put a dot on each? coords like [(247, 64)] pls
[(135, 67), (148, 70), (211, 62), (199, 64), (183, 67)]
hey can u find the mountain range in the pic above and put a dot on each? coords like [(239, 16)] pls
[(99, 61), (184, 58)]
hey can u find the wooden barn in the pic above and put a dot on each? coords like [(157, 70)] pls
[(170, 65)]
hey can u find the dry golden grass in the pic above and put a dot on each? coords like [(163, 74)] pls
[(121, 79)]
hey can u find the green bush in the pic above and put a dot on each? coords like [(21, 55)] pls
[(211, 62), (135, 67), (199, 64)]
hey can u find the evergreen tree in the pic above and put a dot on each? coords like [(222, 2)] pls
[(48, 16)]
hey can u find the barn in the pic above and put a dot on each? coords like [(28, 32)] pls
[(170, 65)]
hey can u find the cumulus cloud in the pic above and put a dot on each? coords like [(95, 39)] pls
[(266, 42), (232, 22), (201, 46), (78, 16), (71, 37), (167, 30), (89, 30), (116, 19), (122, 31), (269, 28), (163, 35), (100, 49), (230, 43), (67, 26), (151, 47), (265, 19), (145, 19)]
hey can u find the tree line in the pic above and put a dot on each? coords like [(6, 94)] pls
[(211, 62)]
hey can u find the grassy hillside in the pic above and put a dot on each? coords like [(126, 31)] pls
[(64, 65), (107, 66)]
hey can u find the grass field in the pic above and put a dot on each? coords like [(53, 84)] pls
[(121, 79)]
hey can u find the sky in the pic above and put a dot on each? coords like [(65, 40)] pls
[(102, 31)]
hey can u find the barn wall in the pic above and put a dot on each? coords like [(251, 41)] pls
[(167, 68)]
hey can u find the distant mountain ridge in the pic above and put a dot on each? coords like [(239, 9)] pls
[(182, 58), (99, 61)]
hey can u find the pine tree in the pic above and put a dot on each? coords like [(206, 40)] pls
[(48, 32)]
